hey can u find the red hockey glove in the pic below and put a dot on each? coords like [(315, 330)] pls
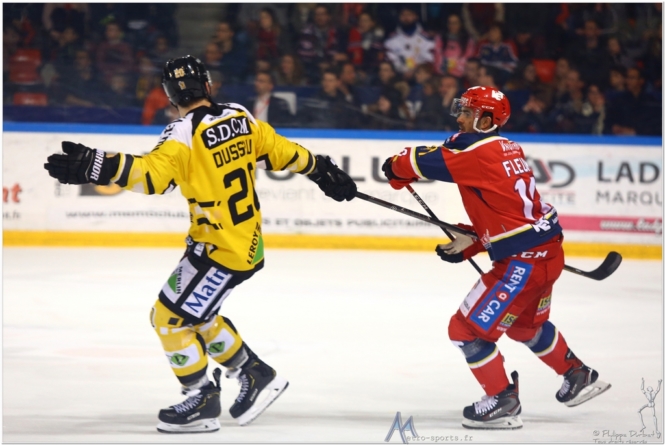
[(395, 182)]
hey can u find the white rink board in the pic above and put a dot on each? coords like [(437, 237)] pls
[(583, 182)]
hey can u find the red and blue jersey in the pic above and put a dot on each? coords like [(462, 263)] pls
[(497, 187)]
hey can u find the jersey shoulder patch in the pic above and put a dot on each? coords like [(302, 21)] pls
[(179, 130), (240, 108)]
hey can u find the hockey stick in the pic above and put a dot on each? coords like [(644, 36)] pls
[(609, 265), (431, 213)]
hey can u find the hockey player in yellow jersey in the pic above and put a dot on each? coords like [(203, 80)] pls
[(211, 153)]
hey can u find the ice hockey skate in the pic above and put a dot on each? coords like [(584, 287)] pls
[(580, 385), (499, 412), (197, 414), (259, 387)]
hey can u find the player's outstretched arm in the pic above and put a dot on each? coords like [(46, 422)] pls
[(332, 180), (81, 165)]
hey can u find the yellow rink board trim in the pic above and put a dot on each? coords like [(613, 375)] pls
[(294, 241)]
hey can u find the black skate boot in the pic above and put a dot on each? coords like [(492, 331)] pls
[(259, 387), (580, 384), (197, 414), (499, 412)]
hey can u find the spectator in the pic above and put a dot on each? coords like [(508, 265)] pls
[(65, 54), (290, 72), (634, 112), (328, 108), (102, 14), (82, 87), (531, 118), (212, 57), (148, 78), (235, 62), (567, 108), (114, 56), (596, 102), (617, 54), (653, 59), (347, 86), (498, 53), (321, 45), (389, 112), (157, 109), (365, 47), (387, 76), (560, 76), (525, 84), (617, 81), (409, 46), (266, 107), (216, 88), (270, 40), (119, 94), (453, 47), (602, 14), (435, 111), (471, 73), (590, 56), (160, 51), (56, 17), (531, 26), (424, 72), (479, 17), (249, 15), (487, 77)]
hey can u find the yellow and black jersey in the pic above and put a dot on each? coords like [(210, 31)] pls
[(212, 154)]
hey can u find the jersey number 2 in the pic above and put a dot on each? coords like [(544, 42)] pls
[(241, 174)]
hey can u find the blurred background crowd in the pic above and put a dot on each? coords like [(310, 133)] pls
[(582, 68)]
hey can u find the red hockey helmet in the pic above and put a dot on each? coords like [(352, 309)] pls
[(482, 99)]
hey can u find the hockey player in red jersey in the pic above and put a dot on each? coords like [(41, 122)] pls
[(523, 237)]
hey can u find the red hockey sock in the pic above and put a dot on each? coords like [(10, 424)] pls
[(553, 350), (490, 373)]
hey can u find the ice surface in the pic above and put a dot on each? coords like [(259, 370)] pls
[(359, 335)]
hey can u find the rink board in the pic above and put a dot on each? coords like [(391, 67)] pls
[(609, 196)]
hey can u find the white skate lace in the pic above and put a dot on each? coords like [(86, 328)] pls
[(565, 387), (486, 404), (188, 404), (243, 381)]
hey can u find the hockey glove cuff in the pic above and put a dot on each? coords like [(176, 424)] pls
[(332, 180), (82, 165), (395, 181), (461, 249)]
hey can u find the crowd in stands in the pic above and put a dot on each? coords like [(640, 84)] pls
[(566, 67)]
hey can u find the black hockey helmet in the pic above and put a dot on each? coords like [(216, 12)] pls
[(184, 80)]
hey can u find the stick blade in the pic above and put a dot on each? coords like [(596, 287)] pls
[(611, 263)]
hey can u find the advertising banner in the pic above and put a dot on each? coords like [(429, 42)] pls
[(603, 193)]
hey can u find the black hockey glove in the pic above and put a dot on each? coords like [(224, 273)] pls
[(81, 165), (451, 258), (332, 180)]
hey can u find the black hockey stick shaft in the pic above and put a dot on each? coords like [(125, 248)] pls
[(413, 214), (609, 265), (431, 213)]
